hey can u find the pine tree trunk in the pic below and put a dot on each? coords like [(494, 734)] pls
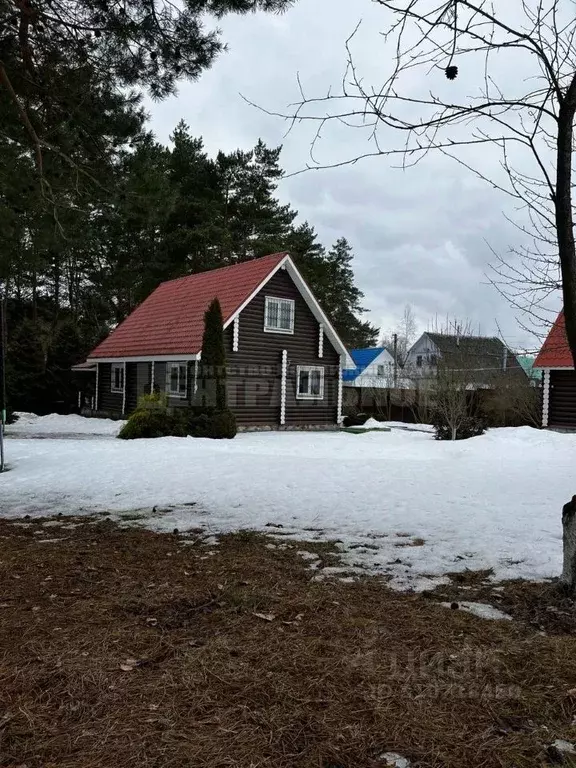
[(568, 578)]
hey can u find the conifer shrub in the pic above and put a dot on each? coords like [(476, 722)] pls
[(215, 420)]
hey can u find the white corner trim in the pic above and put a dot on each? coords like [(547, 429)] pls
[(283, 387), (340, 384), (152, 377), (97, 387), (124, 390), (235, 333), (195, 377), (546, 397), (320, 340)]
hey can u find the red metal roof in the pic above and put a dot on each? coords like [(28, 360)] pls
[(171, 319), (555, 352)]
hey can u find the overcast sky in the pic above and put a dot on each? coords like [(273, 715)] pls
[(420, 235)]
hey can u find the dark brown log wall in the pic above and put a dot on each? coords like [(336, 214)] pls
[(562, 412), (108, 401), (255, 369)]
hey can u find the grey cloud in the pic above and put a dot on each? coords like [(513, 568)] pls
[(418, 235)]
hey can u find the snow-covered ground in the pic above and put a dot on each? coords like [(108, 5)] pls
[(30, 425), (399, 501)]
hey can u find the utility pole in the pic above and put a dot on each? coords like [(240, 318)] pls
[(3, 338), (395, 337)]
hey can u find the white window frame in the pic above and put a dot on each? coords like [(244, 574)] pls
[(117, 367), (309, 368), (176, 364), (279, 301)]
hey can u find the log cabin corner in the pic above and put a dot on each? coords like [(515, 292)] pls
[(558, 379)]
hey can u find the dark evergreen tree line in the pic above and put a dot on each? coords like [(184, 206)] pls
[(74, 270)]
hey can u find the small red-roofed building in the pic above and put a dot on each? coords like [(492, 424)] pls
[(558, 380), (284, 358)]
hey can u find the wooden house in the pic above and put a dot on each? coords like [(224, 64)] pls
[(284, 358)]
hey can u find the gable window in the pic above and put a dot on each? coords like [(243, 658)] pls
[(177, 379), (433, 360), (279, 315), (310, 382), (117, 378), (381, 371), (419, 361)]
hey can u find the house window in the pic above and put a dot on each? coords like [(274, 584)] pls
[(381, 371), (310, 383), (117, 379), (177, 379), (419, 361), (433, 359), (279, 315)]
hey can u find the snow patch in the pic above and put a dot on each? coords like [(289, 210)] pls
[(373, 424), (30, 424), (394, 760), (482, 610)]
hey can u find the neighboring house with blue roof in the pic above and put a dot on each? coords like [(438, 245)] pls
[(374, 368)]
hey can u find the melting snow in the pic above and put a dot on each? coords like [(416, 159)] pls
[(490, 502), (483, 610)]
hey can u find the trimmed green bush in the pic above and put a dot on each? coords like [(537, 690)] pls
[(355, 420), (223, 425), (153, 419), (153, 400), (198, 424), (214, 424)]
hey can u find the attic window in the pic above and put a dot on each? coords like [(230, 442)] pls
[(381, 371), (177, 379), (279, 315), (117, 378), (419, 361), (433, 359)]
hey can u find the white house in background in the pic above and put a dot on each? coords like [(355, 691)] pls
[(483, 358), (374, 369)]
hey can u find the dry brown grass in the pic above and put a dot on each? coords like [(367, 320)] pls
[(341, 674)]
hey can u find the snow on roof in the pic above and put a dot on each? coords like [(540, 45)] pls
[(555, 352)]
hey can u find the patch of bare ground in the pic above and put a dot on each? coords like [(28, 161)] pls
[(542, 606), (122, 647)]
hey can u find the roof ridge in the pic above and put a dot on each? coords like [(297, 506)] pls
[(226, 267)]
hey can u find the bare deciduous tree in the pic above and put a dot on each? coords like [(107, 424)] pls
[(450, 401), (528, 119), (405, 335), (520, 56)]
